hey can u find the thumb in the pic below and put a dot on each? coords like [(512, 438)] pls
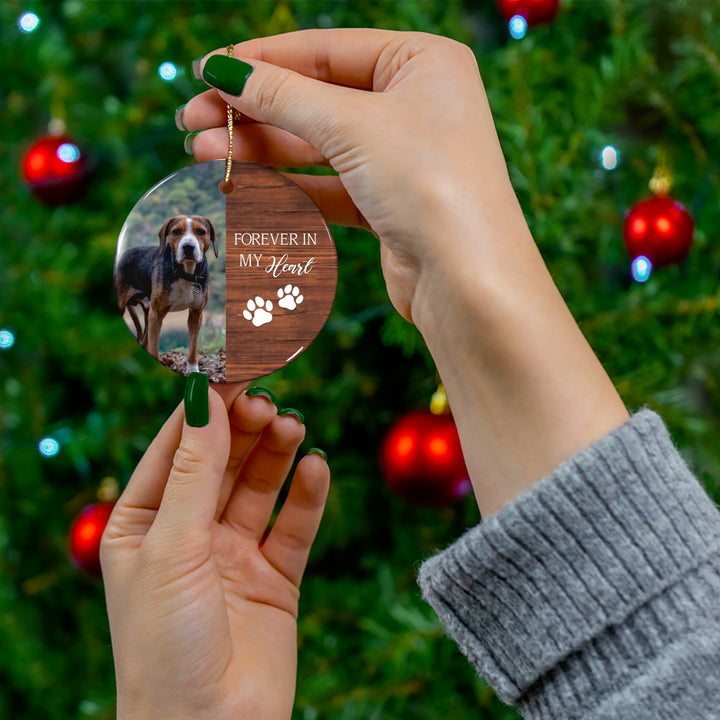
[(304, 106), (193, 487)]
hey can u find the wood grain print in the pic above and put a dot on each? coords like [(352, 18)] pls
[(281, 272)]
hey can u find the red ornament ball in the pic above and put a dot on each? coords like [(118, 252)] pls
[(85, 535), (422, 460), (535, 12), (56, 170), (659, 228)]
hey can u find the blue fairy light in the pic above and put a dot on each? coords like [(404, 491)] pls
[(609, 157), (7, 339), (49, 447), (28, 22), (167, 71), (518, 27), (68, 153), (641, 268)]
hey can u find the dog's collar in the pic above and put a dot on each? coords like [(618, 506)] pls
[(199, 278)]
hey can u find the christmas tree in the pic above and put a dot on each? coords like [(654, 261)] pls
[(588, 106)]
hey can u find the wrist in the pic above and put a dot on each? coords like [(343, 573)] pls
[(467, 238), (146, 698), (526, 389), (141, 710), (477, 266)]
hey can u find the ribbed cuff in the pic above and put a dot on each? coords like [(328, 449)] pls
[(584, 578)]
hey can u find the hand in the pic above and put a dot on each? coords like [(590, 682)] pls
[(404, 120), (203, 620)]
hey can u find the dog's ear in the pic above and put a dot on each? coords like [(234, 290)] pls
[(163, 235), (211, 230)]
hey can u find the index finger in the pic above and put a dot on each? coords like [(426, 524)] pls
[(147, 483), (342, 56)]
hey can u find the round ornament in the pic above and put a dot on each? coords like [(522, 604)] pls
[(85, 535), (534, 12), (235, 284), (660, 229), (56, 169), (422, 460)]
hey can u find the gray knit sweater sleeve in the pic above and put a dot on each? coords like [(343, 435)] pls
[(596, 594)]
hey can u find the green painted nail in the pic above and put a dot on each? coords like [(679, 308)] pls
[(295, 413), (226, 73), (318, 451), (197, 411), (189, 141), (179, 118), (253, 391)]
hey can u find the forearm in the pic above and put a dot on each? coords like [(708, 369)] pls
[(525, 387)]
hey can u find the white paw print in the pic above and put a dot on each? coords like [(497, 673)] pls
[(258, 311), (290, 297)]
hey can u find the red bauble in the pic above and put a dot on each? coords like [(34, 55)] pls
[(534, 11), (85, 535), (659, 228), (422, 460), (56, 170)]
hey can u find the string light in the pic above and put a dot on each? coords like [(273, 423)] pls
[(609, 157), (518, 27), (28, 22), (49, 447), (7, 339), (68, 153), (168, 71), (641, 268)]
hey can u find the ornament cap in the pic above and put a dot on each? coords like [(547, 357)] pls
[(662, 181), (439, 403), (109, 490), (56, 127)]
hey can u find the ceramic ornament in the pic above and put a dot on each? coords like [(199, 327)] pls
[(234, 283)]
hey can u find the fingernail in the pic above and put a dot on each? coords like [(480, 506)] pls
[(295, 413), (318, 451), (179, 119), (197, 411), (253, 391), (226, 73), (196, 63), (189, 141)]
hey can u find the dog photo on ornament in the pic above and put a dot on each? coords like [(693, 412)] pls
[(169, 281)]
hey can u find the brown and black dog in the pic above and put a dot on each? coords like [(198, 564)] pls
[(170, 279)]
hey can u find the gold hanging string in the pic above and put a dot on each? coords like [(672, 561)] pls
[(225, 186)]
